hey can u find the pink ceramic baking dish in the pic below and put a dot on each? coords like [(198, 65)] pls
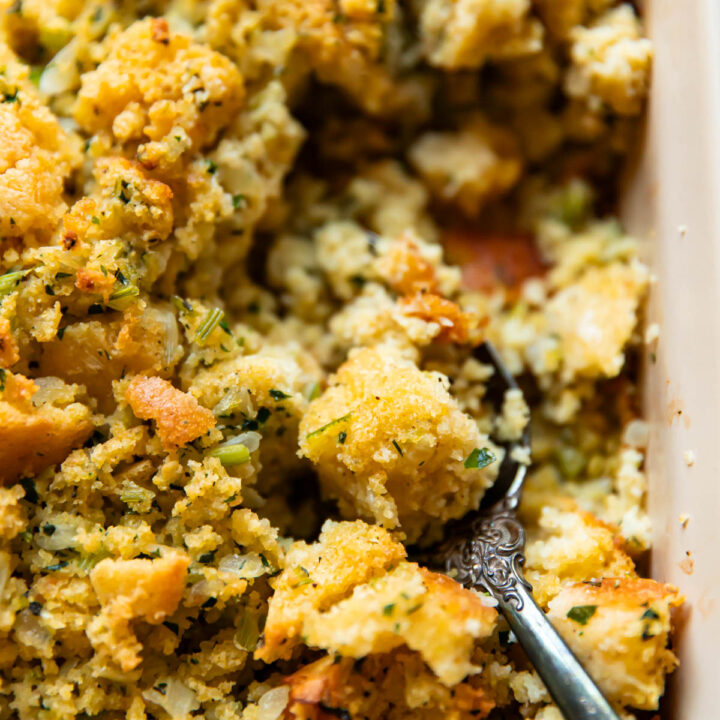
[(673, 200)]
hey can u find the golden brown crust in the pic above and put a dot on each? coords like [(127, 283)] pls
[(179, 417), (9, 353), (94, 282), (153, 81), (457, 326), (347, 554)]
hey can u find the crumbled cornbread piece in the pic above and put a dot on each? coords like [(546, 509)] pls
[(619, 630), (160, 88), (391, 444), (352, 593), (178, 416), (33, 437)]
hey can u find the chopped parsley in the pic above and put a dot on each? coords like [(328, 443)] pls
[(581, 613), (278, 394), (31, 494), (388, 609), (56, 566), (342, 436), (325, 427), (9, 281), (479, 458), (398, 448)]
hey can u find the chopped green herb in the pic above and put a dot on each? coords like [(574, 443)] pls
[(210, 602), (35, 607), (31, 494), (61, 275), (239, 201), (303, 575), (278, 394), (181, 304), (9, 281), (2, 379), (211, 166), (207, 557), (95, 220), (125, 292), (56, 566), (48, 529), (479, 458), (49, 290), (230, 453), (121, 187), (312, 390), (581, 613), (414, 608), (10, 97), (398, 448), (388, 609), (649, 614), (224, 325), (209, 323), (322, 429), (342, 437), (35, 73)]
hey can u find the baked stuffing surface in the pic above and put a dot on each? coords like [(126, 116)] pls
[(246, 251)]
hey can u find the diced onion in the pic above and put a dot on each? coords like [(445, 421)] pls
[(61, 74), (62, 537), (273, 703), (236, 399), (246, 566), (250, 439), (177, 699)]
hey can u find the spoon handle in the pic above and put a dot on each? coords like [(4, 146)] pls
[(490, 557), (572, 689)]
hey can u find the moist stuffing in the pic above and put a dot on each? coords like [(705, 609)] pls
[(246, 252)]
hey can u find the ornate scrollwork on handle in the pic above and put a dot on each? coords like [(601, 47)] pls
[(491, 556)]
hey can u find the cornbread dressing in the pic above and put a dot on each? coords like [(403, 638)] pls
[(246, 252)]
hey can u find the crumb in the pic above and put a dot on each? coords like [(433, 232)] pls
[(684, 519), (687, 565), (689, 457), (652, 333), (682, 229)]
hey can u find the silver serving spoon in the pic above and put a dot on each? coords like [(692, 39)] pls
[(484, 551)]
